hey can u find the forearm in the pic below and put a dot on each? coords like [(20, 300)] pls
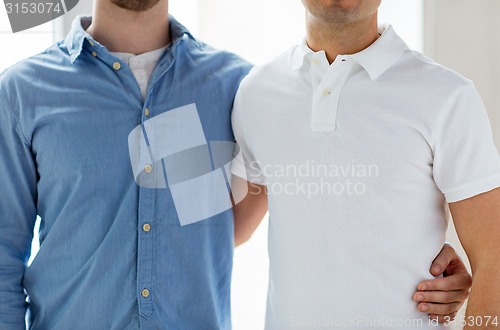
[(13, 245), (18, 186), (477, 221), (247, 217), (483, 309), (249, 212), (14, 251)]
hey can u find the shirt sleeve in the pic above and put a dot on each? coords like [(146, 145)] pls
[(466, 161), (17, 216), (244, 164)]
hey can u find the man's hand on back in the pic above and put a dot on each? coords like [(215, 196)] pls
[(442, 297)]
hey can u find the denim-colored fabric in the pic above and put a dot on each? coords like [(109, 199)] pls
[(65, 119)]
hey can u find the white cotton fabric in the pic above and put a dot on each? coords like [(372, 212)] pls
[(142, 66)]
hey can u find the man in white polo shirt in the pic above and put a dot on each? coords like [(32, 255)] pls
[(362, 144)]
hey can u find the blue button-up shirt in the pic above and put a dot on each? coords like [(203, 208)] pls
[(113, 252)]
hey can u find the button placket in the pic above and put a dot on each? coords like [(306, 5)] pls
[(327, 95), (146, 237)]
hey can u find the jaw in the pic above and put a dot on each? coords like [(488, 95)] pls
[(339, 12)]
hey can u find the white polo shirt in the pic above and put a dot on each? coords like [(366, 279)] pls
[(360, 158)]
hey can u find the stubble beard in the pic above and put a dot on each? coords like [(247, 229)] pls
[(135, 5)]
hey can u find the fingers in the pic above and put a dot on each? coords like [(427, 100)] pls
[(460, 281), (441, 306), (441, 297), (443, 259), (439, 309)]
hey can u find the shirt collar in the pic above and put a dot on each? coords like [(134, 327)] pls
[(375, 59), (75, 39)]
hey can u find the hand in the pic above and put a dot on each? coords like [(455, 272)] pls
[(443, 297)]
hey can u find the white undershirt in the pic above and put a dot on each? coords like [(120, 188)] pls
[(142, 66)]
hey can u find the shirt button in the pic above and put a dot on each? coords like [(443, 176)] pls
[(148, 168), (146, 227), (314, 61), (326, 92), (94, 54), (146, 112), (145, 293), (117, 66), (91, 43)]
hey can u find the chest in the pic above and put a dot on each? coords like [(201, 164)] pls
[(84, 135), (368, 132)]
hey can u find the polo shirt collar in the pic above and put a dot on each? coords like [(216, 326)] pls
[(376, 59), (77, 36)]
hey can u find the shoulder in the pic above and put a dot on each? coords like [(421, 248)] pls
[(266, 77), (435, 75), (22, 77), (422, 86), (217, 60), (18, 86), (266, 86)]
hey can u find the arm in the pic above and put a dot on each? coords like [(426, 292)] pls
[(249, 197), (477, 221), (465, 164), (248, 213), (441, 298), (17, 216)]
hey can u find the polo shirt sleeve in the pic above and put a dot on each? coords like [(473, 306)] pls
[(244, 164), (17, 215), (466, 161)]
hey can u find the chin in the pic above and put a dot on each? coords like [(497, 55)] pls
[(341, 4), (342, 11), (135, 5)]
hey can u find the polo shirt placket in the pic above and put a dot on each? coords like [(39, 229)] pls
[(328, 82)]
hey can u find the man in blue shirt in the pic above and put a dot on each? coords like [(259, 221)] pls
[(77, 148)]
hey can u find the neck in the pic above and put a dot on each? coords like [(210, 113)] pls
[(340, 39), (127, 31)]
